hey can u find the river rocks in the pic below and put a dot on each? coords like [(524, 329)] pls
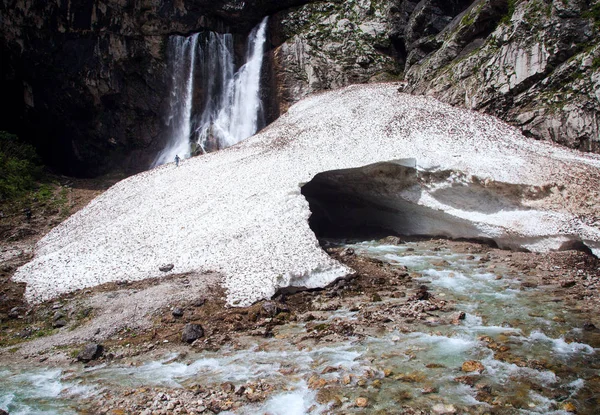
[(91, 352), (191, 333), (177, 312), (588, 326), (441, 408), (362, 402), (3, 412), (472, 366), (58, 323)]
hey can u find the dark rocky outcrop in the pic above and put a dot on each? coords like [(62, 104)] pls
[(87, 81), (533, 63)]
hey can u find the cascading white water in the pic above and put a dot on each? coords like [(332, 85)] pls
[(232, 109), (182, 53)]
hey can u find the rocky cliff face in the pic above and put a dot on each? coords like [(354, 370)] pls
[(533, 63), (87, 81), (328, 45)]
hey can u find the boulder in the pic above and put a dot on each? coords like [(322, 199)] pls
[(191, 333), (166, 267), (472, 366), (91, 352)]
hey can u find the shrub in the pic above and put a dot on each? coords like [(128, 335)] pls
[(19, 167)]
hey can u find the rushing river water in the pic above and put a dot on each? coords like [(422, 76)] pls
[(537, 360)]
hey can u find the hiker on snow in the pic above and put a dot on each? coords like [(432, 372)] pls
[(177, 160)]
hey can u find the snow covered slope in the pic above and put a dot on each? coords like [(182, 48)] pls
[(240, 211)]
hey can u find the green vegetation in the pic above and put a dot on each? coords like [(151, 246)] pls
[(19, 167), (512, 5), (594, 13), (24, 184)]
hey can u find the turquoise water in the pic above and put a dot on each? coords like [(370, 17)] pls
[(547, 361)]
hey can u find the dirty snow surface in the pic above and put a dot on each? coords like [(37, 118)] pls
[(240, 211)]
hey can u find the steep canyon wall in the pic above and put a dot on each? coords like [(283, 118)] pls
[(88, 80), (533, 63)]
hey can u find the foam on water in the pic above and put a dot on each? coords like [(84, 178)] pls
[(39, 392), (300, 401), (560, 345)]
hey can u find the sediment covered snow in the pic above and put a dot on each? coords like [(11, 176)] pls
[(240, 211)]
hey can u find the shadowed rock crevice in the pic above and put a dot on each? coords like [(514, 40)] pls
[(369, 202), (386, 199)]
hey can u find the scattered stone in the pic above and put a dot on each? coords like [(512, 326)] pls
[(375, 298), (429, 390), (568, 283), (529, 284), (191, 333), (166, 267), (228, 387), (569, 407), (269, 309), (348, 252), (316, 382), (91, 352), (362, 402), (422, 294), (59, 323), (58, 315), (588, 326), (472, 366), (3, 412), (177, 312), (199, 302), (15, 312)]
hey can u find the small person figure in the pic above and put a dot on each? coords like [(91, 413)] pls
[(177, 160)]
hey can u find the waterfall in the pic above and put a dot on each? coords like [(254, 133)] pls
[(234, 113), (182, 54), (231, 109)]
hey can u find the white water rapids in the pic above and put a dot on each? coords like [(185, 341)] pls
[(231, 110), (425, 362)]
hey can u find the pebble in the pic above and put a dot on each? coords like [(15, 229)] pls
[(362, 402)]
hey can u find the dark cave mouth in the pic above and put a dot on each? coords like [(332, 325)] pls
[(371, 203)]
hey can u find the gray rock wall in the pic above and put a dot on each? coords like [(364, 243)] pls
[(328, 45), (533, 63), (537, 67)]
